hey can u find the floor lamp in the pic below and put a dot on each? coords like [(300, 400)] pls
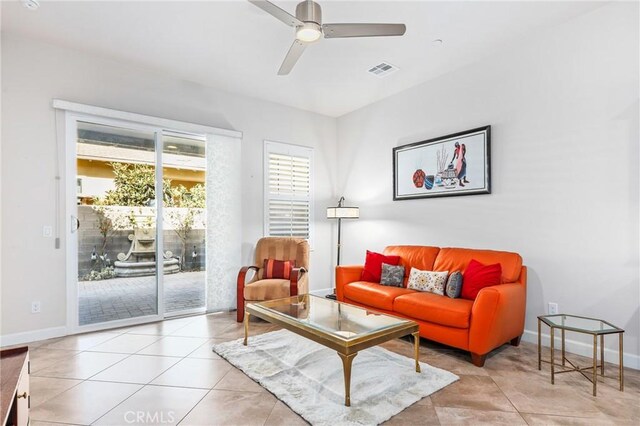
[(341, 212)]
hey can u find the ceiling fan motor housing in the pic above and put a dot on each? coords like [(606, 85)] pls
[(309, 11)]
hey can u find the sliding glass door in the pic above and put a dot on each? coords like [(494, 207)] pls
[(138, 230)]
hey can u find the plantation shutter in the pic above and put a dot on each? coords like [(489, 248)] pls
[(288, 190)]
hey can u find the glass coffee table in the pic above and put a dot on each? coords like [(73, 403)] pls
[(593, 326), (345, 328)]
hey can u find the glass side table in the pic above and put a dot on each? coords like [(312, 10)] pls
[(593, 326)]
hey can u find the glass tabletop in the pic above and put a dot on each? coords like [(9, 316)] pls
[(582, 324), (338, 319)]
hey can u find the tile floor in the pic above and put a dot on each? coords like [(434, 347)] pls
[(166, 373)]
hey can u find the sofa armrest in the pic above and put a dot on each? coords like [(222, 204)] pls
[(497, 316), (345, 275)]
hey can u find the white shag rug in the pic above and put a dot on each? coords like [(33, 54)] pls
[(308, 377)]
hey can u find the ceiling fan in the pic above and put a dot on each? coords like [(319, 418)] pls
[(309, 28)]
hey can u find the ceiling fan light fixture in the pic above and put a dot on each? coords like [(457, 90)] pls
[(309, 32)]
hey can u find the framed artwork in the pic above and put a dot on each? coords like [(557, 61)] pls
[(457, 164)]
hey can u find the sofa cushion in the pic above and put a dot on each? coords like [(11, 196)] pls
[(374, 295), (435, 308), (431, 281), (392, 275), (373, 265), (478, 276), (267, 289), (454, 285), (420, 257), (457, 259)]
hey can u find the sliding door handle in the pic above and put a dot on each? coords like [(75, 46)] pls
[(75, 224)]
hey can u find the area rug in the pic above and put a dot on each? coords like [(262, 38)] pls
[(308, 377)]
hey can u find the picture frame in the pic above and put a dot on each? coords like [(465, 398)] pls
[(452, 165)]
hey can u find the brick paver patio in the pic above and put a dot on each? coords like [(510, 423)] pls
[(121, 298)]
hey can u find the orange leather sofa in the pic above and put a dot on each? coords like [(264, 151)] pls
[(495, 317)]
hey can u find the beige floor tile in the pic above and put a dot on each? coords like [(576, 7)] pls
[(84, 403), (44, 388), (174, 346), (535, 394), (546, 420), (473, 392), (232, 408), (206, 351), (236, 380), (457, 363), (203, 328), (139, 369), (465, 416), (283, 415), (44, 357), (161, 328), (126, 343), (81, 366), (154, 405), (194, 373), (81, 342), (422, 412)]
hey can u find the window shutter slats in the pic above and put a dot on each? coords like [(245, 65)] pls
[(288, 197)]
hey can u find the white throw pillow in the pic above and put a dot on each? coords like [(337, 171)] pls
[(430, 281)]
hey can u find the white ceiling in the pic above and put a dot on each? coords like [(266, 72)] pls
[(234, 46)]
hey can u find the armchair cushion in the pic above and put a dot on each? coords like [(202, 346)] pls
[(278, 268), (267, 289)]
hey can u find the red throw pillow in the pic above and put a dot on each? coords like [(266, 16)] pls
[(478, 276), (373, 265), (278, 268)]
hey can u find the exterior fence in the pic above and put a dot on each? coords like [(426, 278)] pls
[(124, 219)]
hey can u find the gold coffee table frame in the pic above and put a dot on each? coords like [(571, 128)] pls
[(585, 325), (346, 347)]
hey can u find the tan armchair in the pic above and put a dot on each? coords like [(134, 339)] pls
[(259, 289)]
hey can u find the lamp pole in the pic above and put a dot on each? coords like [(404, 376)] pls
[(339, 231), (341, 212)]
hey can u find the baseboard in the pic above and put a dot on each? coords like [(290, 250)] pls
[(584, 349), (32, 336), (322, 291)]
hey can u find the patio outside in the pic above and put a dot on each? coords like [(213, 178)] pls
[(122, 298)]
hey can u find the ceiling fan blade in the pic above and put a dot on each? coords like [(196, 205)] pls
[(363, 30), (278, 13), (295, 51)]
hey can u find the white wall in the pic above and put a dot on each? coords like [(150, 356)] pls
[(33, 73), (564, 114)]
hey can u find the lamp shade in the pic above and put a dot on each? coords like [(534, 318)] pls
[(343, 212)]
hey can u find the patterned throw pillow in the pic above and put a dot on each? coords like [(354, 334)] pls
[(430, 281), (454, 285), (278, 268), (392, 275)]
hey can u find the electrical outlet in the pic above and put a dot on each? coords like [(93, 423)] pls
[(47, 231), (553, 308), (35, 307)]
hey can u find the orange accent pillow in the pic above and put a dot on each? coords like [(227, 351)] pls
[(478, 276), (278, 268)]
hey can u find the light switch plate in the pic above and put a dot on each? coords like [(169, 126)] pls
[(47, 231)]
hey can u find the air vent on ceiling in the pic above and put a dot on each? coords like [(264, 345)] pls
[(383, 69)]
